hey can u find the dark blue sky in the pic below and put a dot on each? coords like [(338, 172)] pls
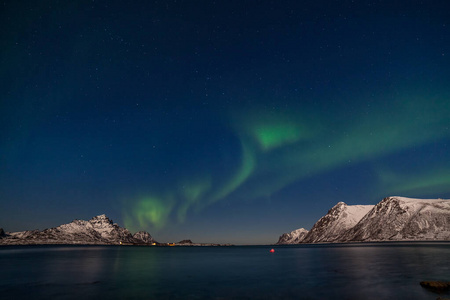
[(219, 121)]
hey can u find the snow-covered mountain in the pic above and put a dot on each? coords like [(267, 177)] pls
[(392, 219), (338, 220), (293, 237), (400, 218), (98, 230)]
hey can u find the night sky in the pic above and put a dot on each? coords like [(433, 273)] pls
[(219, 121)]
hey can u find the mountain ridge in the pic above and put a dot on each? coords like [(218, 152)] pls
[(394, 218), (100, 230), (404, 219)]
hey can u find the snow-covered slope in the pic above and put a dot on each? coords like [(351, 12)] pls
[(294, 237), (400, 218), (392, 219), (98, 230), (339, 219)]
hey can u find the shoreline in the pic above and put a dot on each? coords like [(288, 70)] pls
[(349, 244)]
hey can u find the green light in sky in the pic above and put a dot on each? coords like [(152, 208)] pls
[(276, 135), (192, 193), (419, 183), (271, 130), (405, 123), (314, 145), (150, 211), (248, 163)]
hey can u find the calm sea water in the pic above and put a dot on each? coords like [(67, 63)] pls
[(370, 271)]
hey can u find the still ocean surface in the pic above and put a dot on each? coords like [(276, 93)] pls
[(350, 271)]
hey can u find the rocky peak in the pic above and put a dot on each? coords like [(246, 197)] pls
[(143, 236), (340, 218), (2, 233), (102, 217), (388, 205), (338, 207), (100, 221), (332, 214)]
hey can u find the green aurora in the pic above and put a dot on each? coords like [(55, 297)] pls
[(280, 149)]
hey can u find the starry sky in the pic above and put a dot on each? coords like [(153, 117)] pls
[(219, 121)]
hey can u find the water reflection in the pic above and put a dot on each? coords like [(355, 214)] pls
[(379, 271)]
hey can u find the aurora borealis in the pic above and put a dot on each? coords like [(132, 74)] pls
[(219, 121)]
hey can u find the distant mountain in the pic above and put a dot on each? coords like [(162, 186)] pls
[(185, 242), (400, 219), (98, 230), (339, 219), (392, 219), (294, 237), (143, 236)]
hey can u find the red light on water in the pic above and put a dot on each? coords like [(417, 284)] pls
[(272, 250)]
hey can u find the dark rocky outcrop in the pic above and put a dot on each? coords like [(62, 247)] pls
[(436, 286), (185, 242), (2, 233)]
